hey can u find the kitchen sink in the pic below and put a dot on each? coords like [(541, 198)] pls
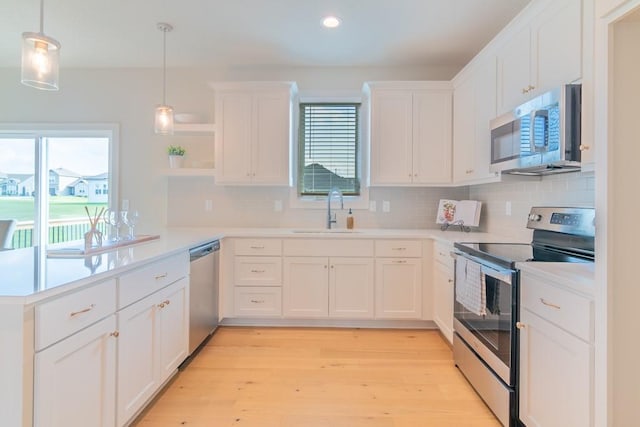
[(324, 231)]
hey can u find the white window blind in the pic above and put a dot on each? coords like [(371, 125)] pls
[(328, 149)]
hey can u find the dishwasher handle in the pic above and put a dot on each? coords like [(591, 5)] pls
[(204, 250)]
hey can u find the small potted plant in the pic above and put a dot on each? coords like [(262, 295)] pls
[(176, 155)]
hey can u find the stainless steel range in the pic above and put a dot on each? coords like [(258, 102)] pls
[(487, 299)]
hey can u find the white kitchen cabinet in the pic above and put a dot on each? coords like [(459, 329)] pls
[(336, 287), (351, 288), (75, 379), (253, 135), (305, 291), (410, 132), (398, 288), (556, 355), (474, 106), (257, 277), (153, 341), (443, 289), (544, 54)]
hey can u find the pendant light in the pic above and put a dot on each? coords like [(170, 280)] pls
[(40, 58), (164, 112)]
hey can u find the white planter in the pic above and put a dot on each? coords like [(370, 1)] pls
[(175, 162)]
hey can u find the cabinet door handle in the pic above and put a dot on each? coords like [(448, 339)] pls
[(161, 276), (520, 325), (257, 301), (161, 305), (398, 249), (256, 247), (85, 310), (584, 147), (258, 271), (450, 280), (549, 304), (164, 303), (530, 88), (525, 90), (114, 334), (399, 261)]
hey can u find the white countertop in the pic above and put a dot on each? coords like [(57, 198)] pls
[(28, 275), (577, 276)]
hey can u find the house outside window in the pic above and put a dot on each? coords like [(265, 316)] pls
[(329, 149), (50, 169)]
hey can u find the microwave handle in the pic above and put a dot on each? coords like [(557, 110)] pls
[(532, 134)]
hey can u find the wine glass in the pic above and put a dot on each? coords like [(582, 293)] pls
[(130, 219), (113, 218)]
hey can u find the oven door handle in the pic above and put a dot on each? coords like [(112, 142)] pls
[(503, 275)]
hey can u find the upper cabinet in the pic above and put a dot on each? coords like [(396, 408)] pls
[(253, 135), (544, 54), (474, 105), (410, 132)]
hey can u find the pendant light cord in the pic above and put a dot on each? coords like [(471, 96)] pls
[(41, 16), (164, 66)]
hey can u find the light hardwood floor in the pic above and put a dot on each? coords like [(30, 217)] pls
[(268, 377)]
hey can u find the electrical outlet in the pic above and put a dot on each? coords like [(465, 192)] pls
[(208, 205), (507, 208), (372, 206), (386, 206), (277, 206)]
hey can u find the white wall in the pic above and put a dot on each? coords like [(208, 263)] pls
[(622, 213), (129, 96), (570, 189), (254, 207)]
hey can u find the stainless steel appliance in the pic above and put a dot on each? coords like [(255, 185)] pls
[(485, 334), (203, 292), (541, 136)]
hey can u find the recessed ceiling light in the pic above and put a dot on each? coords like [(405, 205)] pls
[(331, 21)]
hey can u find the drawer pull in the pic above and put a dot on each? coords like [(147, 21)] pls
[(257, 301), (450, 280), (162, 276), (398, 249), (75, 313), (114, 334), (400, 262), (258, 271), (257, 247), (520, 325), (548, 304), (164, 303)]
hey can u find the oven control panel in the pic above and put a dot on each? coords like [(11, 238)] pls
[(580, 221)]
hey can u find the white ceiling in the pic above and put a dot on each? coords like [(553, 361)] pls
[(374, 33)]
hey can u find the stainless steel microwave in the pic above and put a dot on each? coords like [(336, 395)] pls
[(541, 136)]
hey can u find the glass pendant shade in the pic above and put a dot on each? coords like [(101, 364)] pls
[(40, 61), (164, 120)]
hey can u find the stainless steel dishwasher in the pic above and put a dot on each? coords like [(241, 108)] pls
[(203, 292)]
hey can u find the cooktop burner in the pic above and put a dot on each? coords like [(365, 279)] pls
[(507, 254)]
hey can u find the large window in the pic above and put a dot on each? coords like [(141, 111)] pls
[(328, 149), (49, 179)]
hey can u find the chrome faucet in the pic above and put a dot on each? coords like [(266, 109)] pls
[(330, 194)]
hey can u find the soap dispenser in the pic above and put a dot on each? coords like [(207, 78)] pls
[(350, 220)]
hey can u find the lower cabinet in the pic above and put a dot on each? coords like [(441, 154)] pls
[(74, 380), (398, 286), (443, 289), (554, 375), (153, 341), (317, 287), (556, 354)]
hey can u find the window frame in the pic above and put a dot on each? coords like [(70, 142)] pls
[(39, 131), (361, 201)]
